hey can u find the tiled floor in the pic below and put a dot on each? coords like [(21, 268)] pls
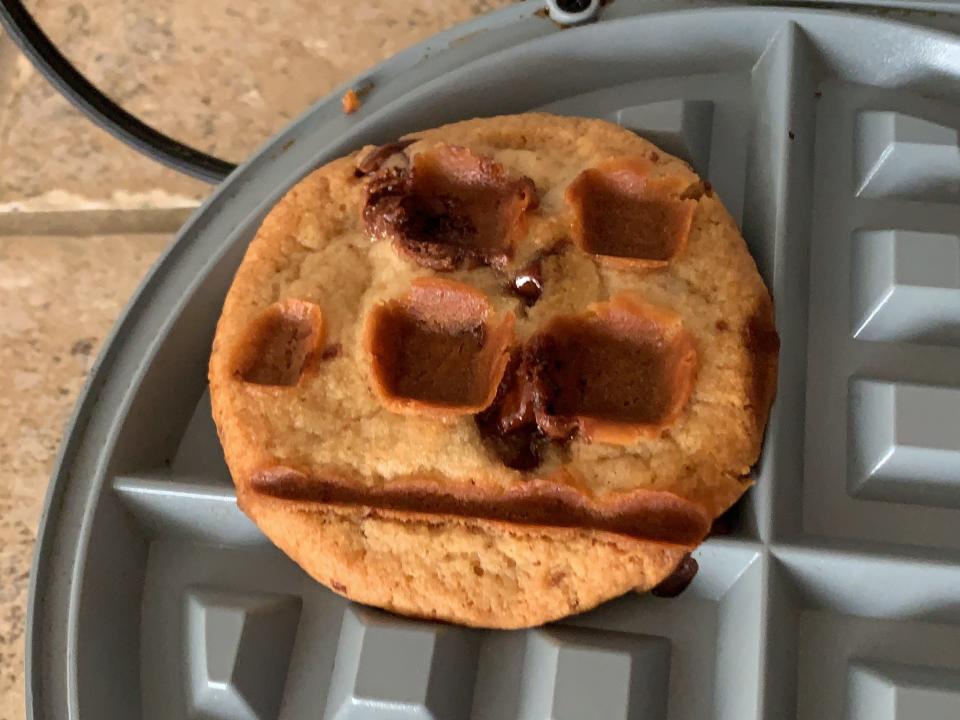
[(59, 297), (82, 217)]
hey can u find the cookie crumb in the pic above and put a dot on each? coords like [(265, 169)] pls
[(350, 101)]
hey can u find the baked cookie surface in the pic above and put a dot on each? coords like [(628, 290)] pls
[(496, 373)]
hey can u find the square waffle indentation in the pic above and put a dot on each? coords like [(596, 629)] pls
[(621, 372), (680, 127), (281, 344), (628, 215), (451, 209), (904, 444), (390, 667), (438, 350), (572, 673), (908, 157), (238, 652), (891, 691), (906, 287)]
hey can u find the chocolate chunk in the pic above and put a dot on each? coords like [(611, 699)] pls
[(528, 285), (452, 209), (509, 426), (678, 580), (528, 282), (375, 159), (519, 450)]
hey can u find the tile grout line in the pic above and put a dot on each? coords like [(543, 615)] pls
[(94, 222), (16, 75)]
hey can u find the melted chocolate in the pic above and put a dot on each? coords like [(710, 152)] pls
[(509, 425), (452, 209), (678, 580), (616, 374), (375, 159), (763, 343), (527, 284), (529, 280)]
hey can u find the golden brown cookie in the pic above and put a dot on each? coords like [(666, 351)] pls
[(495, 373)]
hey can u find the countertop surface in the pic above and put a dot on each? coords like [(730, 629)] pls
[(82, 217)]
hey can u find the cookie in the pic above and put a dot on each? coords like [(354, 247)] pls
[(494, 373)]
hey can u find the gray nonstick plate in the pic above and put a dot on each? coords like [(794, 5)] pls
[(833, 139)]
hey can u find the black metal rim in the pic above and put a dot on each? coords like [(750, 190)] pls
[(93, 103)]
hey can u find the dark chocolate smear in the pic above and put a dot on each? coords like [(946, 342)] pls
[(678, 580), (450, 209), (509, 426), (375, 159)]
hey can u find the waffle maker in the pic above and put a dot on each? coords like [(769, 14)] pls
[(832, 136)]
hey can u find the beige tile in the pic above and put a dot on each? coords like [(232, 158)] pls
[(59, 297), (218, 74)]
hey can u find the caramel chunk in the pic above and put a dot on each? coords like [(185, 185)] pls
[(617, 374), (438, 350), (627, 215), (451, 209), (281, 344)]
